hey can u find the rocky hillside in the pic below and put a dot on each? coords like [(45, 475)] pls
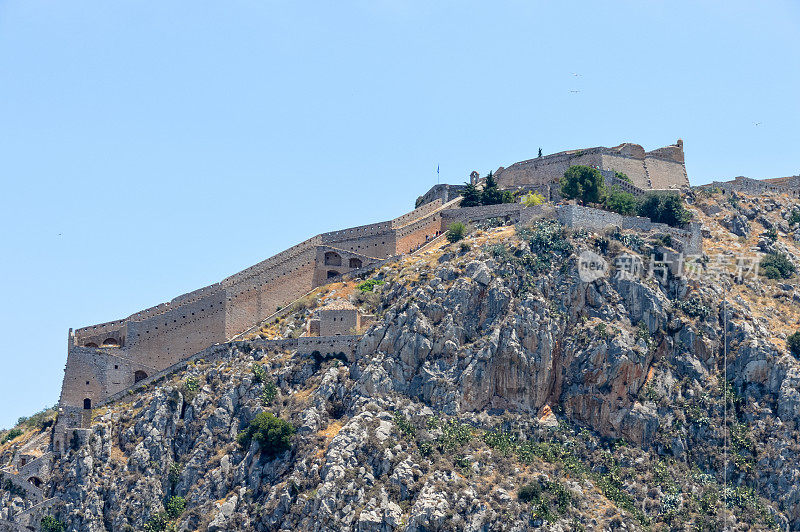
[(496, 391)]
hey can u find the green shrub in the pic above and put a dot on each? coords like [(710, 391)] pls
[(268, 393), (175, 472), (777, 266), (694, 308), (11, 434), (793, 343), (666, 209), (529, 492), (369, 285), (583, 183), (532, 199), (259, 373), (771, 234), (404, 425), (456, 231), (272, 434), (51, 524), (175, 506), (157, 523), (794, 219), (548, 237), (617, 200)]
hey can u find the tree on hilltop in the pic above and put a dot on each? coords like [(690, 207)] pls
[(472, 196), (666, 209), (617, 200), (582, 183), (491, 194)]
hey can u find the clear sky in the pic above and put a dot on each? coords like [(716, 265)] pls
[(151, 148)]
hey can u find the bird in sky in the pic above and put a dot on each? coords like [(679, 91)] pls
[(573, 91), (757, 123)]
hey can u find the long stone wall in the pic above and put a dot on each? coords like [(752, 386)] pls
[(163, 335), (781, 185), (689, 240)]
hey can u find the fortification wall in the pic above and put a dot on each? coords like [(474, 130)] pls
[(325, 345), (333, 262), (416, 234), (474, 214), (417, 213), (577, 216), (544, 170), (633, 168), (668, 169), (611, 180), (442, 192), (689, 240), (782, 185), (98, 333), (257, 297), (666, 174), (95, 374), (166, 334), (161, 340)]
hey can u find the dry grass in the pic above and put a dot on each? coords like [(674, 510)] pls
[(781, 316)]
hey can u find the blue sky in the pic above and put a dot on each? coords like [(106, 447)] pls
[(148, 149)]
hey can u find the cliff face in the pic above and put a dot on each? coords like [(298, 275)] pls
[(496, 390)]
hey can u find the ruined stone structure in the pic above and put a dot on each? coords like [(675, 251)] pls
[(779, 185)]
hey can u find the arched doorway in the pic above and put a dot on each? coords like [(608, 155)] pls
[(87, 404), (355, 263), (111, 342), (90, 344), (36, 481), (333, 259), (139, 376), (332, 274)]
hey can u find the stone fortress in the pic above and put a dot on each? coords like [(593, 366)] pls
[(106, 361), (108, 358), (658, 170)]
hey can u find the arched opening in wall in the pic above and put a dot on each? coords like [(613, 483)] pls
[(90, 344), (36, 481), (110, 342), (355, 263), (332, 274), (333, 259), (87, 404), (139, 376)]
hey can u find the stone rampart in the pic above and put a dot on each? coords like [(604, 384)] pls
[(781, 185), (165, 334), (416, 214), (482, 212), (442, 192), (662, 168), (689, 240)]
